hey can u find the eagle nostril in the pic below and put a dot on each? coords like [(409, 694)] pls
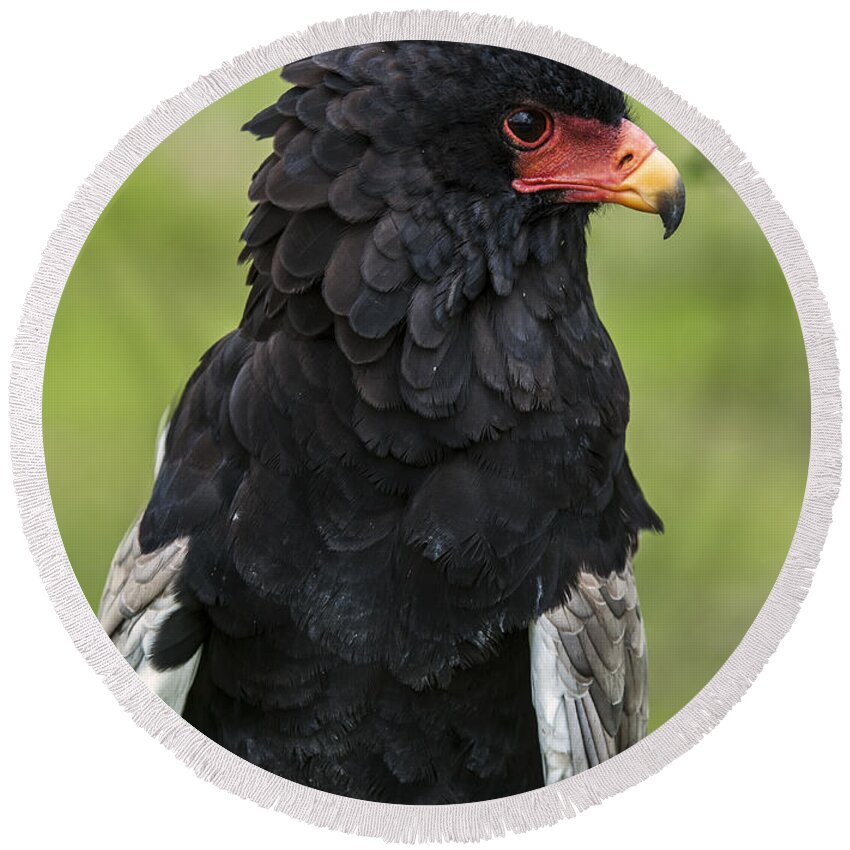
[(624, 161)]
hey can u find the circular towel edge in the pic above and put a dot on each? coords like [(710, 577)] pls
[(473, 821)]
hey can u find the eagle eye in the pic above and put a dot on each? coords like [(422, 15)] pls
[(527, 128)]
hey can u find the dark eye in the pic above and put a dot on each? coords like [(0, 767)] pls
[(527, 128)]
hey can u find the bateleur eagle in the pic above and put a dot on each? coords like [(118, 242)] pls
[(388, 552)]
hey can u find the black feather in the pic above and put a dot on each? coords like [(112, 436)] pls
[(297, 183), (305, 72), (287, 103), (374, 315), (382, 273), (359, 349), (334, 151), (342, 284), (308, 313), (311, 108), (348, 200), (265, 123), (309, 241)]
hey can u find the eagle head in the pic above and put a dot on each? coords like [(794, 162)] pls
[(410, 180)]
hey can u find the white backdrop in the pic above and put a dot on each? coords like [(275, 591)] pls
[(76, 78)]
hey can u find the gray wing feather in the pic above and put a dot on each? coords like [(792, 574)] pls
[(137, 599), (589, 675)]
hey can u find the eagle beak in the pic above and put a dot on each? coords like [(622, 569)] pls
[(586, 161), (655, 186)]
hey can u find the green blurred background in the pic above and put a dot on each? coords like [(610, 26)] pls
[(704, 324)]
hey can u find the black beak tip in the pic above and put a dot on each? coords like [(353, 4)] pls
[(672, 209)]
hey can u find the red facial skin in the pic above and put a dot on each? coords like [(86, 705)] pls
[(586, 160)]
